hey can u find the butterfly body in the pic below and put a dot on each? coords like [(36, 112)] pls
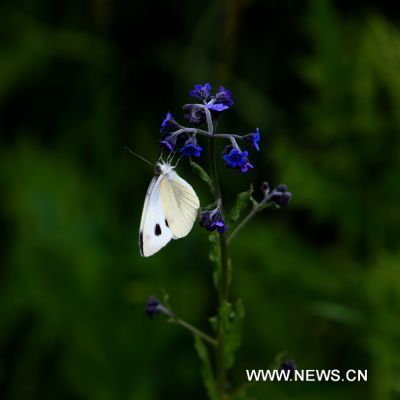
[(169, 212)]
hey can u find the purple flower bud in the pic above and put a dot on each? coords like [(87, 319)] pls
[(169, 141), (284, 199), (265, 187), (280, 196), (246, 167), (154, 307), (194, 114), (281, 188), (253, 138), (213, 220), (169, 124), (288, 365)]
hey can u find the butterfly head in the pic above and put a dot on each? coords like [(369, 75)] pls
[(163, 168)]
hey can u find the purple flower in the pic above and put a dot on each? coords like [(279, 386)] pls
[(282, 199), (194, 114), (220, 102), (282, 188), (213, 220), (265, 188), (234, 158), (191, 148), (201, 92), (288, 366), (224, 97), (169, 124), (253, 138), (280, 196), (217, 107), (169, 141), (246, 167), (154, 307)]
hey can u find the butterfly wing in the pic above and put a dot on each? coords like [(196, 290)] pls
[(154, 232), (180, 204)]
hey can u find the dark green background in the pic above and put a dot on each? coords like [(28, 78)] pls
[(319, 279)]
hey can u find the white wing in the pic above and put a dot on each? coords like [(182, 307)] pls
[(154, 232), (180, 204)]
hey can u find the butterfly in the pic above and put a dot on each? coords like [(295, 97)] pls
[(169, 212)]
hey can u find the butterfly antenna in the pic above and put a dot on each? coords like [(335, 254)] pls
[(177, 161), (169, 157), (160, 158), (137, 155), (172, 155)]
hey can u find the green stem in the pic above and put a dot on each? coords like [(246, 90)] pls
[(220, 349), (243, 222), (214, 173), (195, 330), (223, 298), (224, 282), (223, 244), (259, 207)]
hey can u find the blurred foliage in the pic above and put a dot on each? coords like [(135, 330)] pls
[(319, 280)]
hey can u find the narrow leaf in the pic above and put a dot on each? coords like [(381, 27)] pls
[(206, 369), (202, 174), (241, 203)]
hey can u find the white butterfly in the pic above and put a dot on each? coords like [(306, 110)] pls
[(170, 209)]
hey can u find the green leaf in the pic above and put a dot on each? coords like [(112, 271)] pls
[(241, 203), (203, 175), (206, 370), (232, 319)]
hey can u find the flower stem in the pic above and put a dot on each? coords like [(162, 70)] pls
[(214, 172), (194, 330), (220, 349), (242, 223), (207, 133), (223, 244), (224, 278), (223, 298), (259, 207)]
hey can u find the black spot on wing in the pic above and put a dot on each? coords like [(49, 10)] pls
[(166, 223), (141, 242), (157, 230)]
